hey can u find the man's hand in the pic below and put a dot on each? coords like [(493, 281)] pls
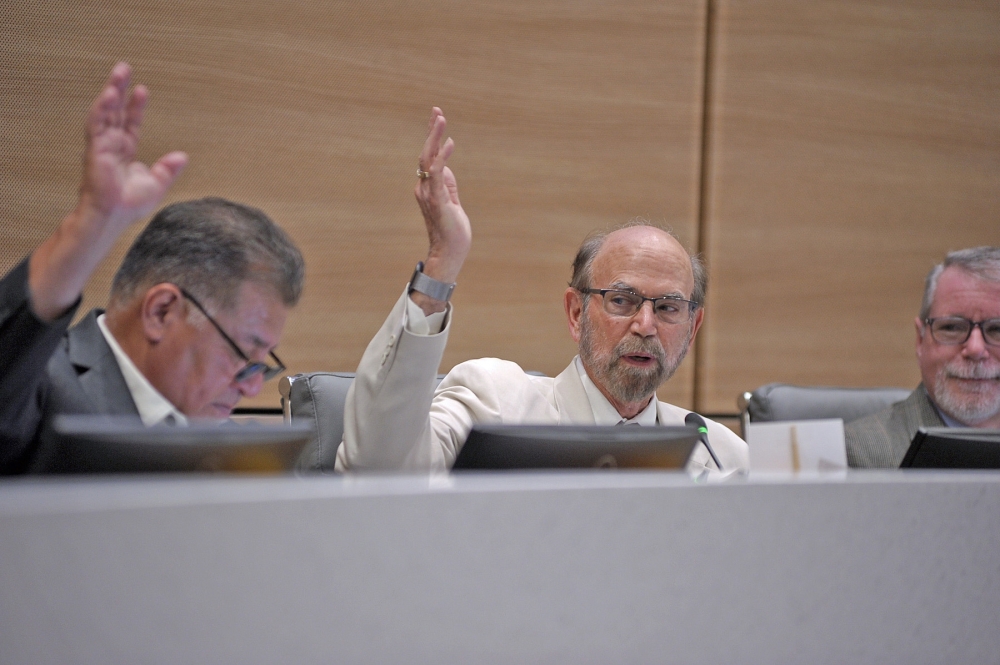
[(116, 189), (115, 192), (448, 228)]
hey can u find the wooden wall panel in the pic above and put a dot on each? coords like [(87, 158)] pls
[(852, 144), (568, 116)]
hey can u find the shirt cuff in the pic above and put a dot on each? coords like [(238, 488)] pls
[(418, 323)]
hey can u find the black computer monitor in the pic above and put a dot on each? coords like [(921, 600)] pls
[(954, 448), (122, 444), (576, 446)]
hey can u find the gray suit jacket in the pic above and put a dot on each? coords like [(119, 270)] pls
[(882, 439), (48, 370)]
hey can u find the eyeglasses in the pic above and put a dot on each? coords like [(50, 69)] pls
[(954, 330), (668, 309), (252, 368)]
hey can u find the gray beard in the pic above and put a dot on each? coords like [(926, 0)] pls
[(624, 382), (968, 407)]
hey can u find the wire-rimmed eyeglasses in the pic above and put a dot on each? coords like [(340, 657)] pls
[(252, 368), (620, 302)]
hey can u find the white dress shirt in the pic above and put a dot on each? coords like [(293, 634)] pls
[(153, 407)]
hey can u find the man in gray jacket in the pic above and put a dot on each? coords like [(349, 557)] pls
[(958, 350), (195, 312)]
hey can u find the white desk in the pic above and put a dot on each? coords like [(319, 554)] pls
[(581, 568)]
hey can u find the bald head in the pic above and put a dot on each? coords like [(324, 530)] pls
[(658, 249), (629, 353)]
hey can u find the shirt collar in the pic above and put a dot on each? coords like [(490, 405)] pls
[(604, 412), (946, 419), (153, 407)]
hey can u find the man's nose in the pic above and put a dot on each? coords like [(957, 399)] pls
[(249, 387), (644, 321), (975, 346)]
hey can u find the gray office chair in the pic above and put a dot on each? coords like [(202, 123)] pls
[(318, 397), (781, 401)]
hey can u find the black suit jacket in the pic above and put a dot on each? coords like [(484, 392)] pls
[(47, 369)]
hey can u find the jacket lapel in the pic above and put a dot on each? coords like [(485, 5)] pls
[(571, 399), (97, 368)]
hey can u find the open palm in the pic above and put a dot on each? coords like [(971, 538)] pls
[(115, 186)]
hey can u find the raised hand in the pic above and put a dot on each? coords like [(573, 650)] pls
[(115, 191), (116, 188), (448, 227)]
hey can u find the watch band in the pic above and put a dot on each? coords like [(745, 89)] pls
[(429, 286)]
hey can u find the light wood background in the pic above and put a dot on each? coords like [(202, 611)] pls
[(852, 144), (823, 155)]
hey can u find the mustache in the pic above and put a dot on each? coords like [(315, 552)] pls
[(646, 345), (973, 370)]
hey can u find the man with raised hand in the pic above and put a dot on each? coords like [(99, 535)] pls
[(634, 306), (196, 308)]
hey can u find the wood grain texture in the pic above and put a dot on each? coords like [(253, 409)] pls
[(851, 146), (568, 116)]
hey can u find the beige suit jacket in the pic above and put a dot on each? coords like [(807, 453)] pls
[(395, 420)]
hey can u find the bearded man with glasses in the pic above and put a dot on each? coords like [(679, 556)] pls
[(958, 351), (633, 306), (196, 308)]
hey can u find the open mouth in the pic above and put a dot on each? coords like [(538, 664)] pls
[(639, 359)]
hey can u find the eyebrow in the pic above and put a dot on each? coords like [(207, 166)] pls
[(622, 286)]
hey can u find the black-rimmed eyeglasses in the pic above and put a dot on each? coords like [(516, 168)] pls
[(669, 309), (955, 330), (252, 368)]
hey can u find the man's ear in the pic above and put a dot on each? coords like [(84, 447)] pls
[(573, 303), (920, 334), (699, 318), (162, 308)]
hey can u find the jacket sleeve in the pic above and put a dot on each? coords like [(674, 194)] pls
[(27, 344), (387, 414)]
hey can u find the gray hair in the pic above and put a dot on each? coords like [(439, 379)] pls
[(981, 262), (584, 262), (210, 247)]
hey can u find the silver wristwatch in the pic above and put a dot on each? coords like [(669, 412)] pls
[(429, 286)]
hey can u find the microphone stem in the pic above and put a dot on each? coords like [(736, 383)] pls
[(704, 439)]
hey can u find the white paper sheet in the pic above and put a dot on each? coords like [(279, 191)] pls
[(798, 446)]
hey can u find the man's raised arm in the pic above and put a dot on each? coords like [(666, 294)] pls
[(115, 191), (387, 423), (38, 296), (449, 233)]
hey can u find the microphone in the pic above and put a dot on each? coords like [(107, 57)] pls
[(694, 420)]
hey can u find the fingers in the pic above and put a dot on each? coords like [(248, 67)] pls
[(439, 186), (436, 129), (167, 168), (444, 154), (108, 108), (435, 112), (104, 110), (135, 110)]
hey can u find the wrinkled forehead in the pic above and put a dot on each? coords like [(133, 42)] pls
[(645, 258)]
